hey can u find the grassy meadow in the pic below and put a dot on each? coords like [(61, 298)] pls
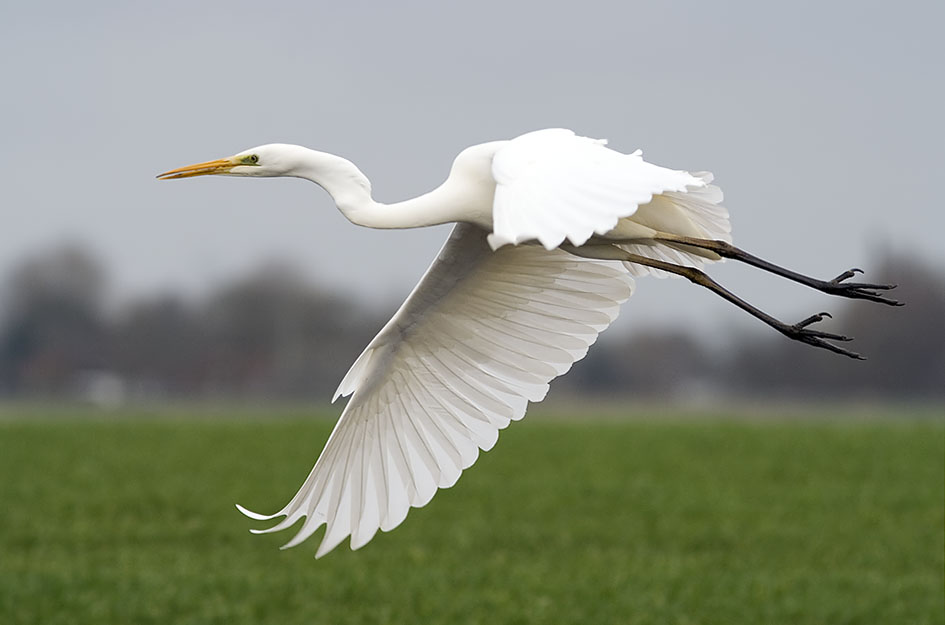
[(670, 519)]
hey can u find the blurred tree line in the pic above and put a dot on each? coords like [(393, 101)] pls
[(272, 334), (268, 334)]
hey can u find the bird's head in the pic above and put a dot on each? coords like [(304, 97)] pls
[(274, 159)]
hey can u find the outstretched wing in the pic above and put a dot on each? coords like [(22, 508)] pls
[(553, 185), (481, 335)]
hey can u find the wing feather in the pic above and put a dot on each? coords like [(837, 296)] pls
[(482, 335), (552, 186)]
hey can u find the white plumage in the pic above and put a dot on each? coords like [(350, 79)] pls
[(554, 186), (482, 335), (551, 228)]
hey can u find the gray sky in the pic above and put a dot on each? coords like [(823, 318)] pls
[(821, 120)]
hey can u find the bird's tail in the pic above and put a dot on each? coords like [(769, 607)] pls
[(696, 212)]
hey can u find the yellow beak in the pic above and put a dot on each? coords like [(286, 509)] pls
[(219, 166)]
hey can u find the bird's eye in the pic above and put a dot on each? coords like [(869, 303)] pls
[(253, 159)]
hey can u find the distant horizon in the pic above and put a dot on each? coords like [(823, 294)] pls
[(273, 333)]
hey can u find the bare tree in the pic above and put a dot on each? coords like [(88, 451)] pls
[(53, 321), (160, 347), (273, 334)]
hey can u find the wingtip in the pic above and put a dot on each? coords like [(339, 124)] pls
[(253, 515)]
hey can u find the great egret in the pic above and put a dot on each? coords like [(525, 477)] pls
[(551, 227)]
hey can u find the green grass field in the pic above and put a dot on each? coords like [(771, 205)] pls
[(673, 521)]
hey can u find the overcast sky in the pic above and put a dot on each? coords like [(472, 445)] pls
[(821, 120)]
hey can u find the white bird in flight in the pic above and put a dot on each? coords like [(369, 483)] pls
[(551, 228)]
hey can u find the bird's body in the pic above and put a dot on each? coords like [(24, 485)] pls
[(551, 229)]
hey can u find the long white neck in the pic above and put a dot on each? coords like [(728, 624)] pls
[(351, 191)]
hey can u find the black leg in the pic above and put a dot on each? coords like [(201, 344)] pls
[(837, 286), (797, 332)]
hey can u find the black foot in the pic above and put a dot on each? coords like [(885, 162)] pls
[(859, 290), (800, 332)]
